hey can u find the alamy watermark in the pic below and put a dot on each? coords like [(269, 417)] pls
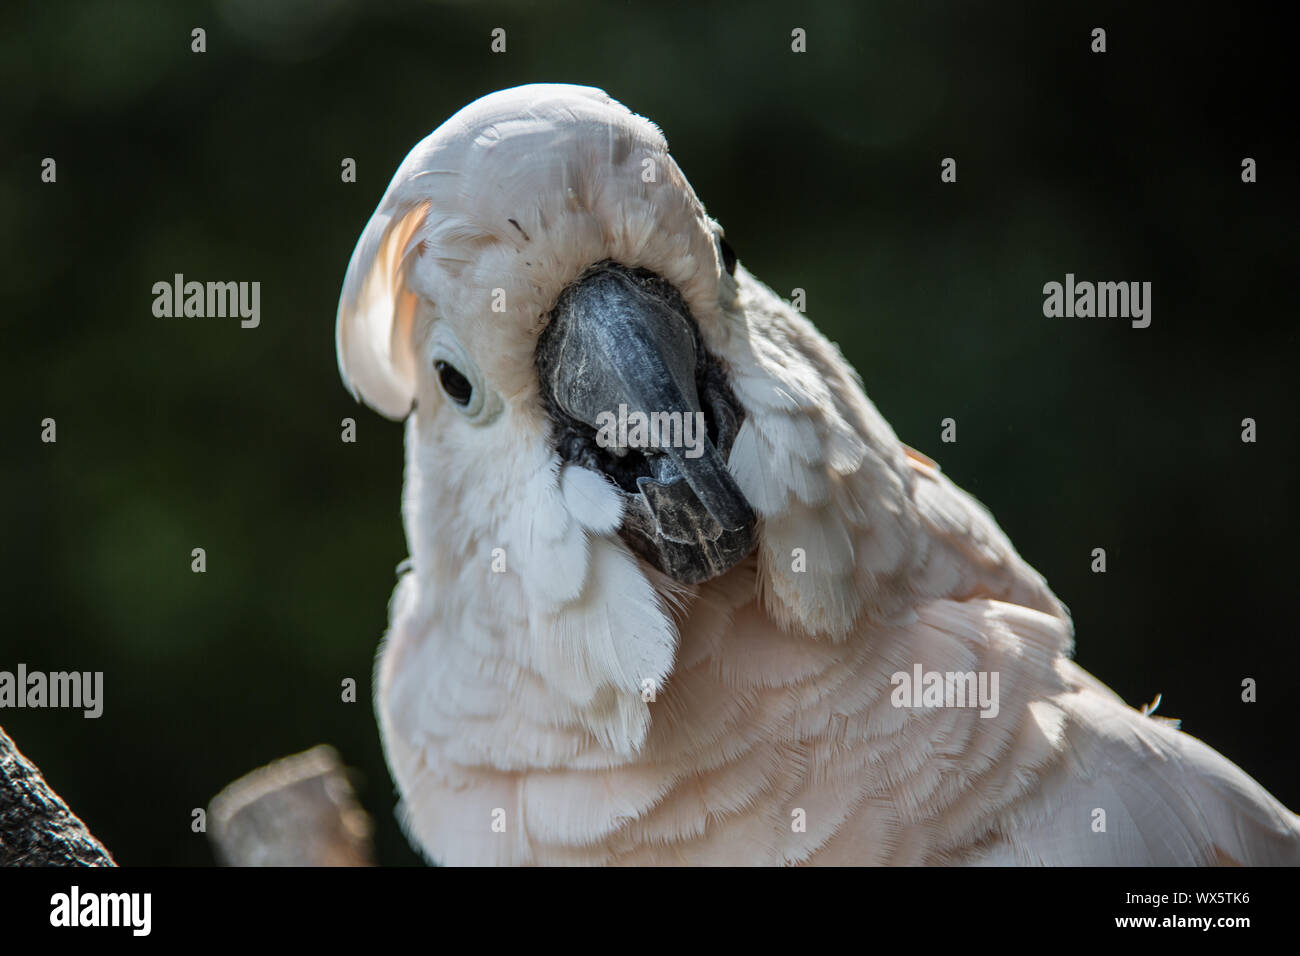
[(131, 911), (58, 689), (214, 300), (1086, 300), (923, 688), (652, 430)]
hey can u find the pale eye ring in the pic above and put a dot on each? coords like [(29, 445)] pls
[(461, 381)]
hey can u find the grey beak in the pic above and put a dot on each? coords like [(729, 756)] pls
[(622, 338)]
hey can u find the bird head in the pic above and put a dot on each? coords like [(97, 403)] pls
[(538, 270), (539, 275), (538, 284)]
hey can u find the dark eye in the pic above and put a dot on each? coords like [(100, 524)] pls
[(456, 386)]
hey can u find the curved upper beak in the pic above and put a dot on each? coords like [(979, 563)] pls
[(636, 396)]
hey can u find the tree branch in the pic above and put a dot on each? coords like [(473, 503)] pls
[(36, 826)]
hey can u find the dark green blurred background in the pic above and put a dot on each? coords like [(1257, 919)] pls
[(824, 168)]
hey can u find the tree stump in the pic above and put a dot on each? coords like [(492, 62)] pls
[(298, 811)]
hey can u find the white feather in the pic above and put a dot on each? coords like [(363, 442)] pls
[(532, 678)]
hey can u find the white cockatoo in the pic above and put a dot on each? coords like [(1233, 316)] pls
[(788, 640)]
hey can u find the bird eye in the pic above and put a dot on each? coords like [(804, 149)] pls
[(460, 378), (456, 386), (728, 256)]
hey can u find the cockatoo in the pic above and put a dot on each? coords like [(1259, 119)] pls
[(611, 649)]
